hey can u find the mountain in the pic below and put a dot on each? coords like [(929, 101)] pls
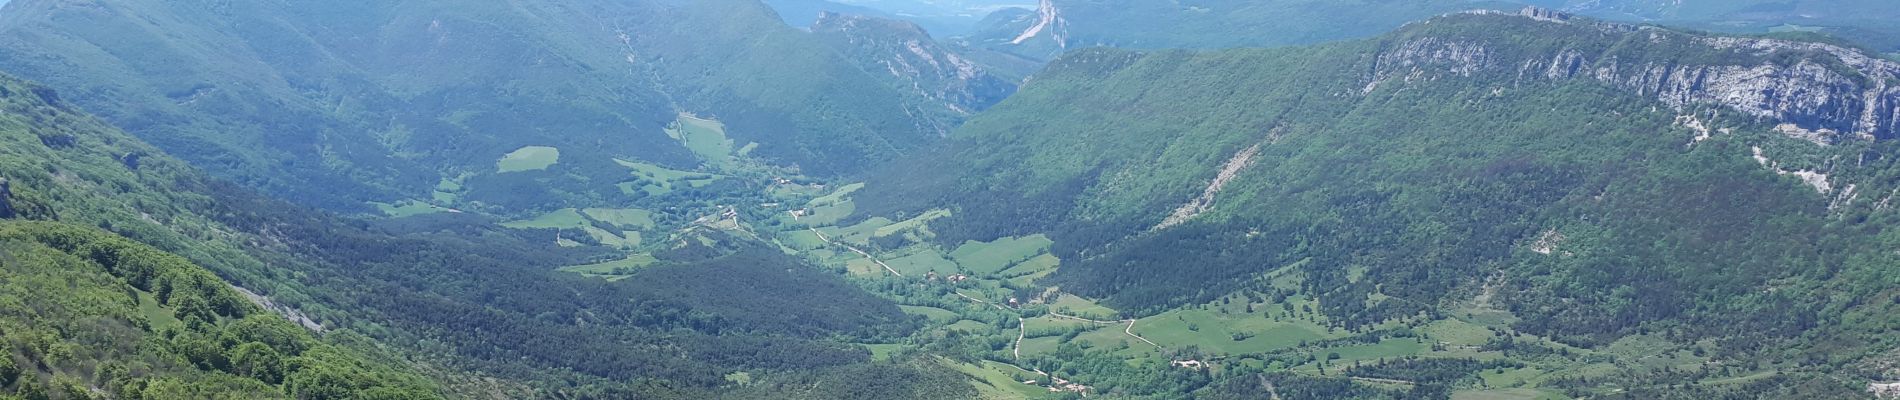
[(88, 311), (941, 18), (909, 55), (1059, 25), (1870, 23), (338, 104), (1578, 180), (462, 307)]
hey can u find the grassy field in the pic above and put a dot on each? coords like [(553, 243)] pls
[(920, 260), (859, 234), (995, 381), (407, 208), (914, 224), (969, 326), (1214, 331), (1049, 322), (623, 239), (704, 137), (616, 269), (655, 172), (1506, 394), (1041, 345), (836, 196), (624, 217), (801, 240), (529, 159), (1075, 305), (933, 313), (159, 316), (827, 214), (566, 218), (882, 352), (993, 257)]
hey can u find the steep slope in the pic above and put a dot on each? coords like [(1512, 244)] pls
[(336, 104), (480, 306), (83, 310), (908, 54), (93, 314), (1059, 25), (1591, 180)]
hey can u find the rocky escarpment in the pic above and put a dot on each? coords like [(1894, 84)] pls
[(1827, 93), (914, 60)]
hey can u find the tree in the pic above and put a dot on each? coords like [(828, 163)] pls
[(258, 361)]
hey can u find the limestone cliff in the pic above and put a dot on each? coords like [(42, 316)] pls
[(914, 61), (1828, 93)]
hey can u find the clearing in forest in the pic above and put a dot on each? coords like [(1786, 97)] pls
[(529, 158), (992, 257)]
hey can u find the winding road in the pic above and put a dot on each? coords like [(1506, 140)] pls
[(1130, 330)]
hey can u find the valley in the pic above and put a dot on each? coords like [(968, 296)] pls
[(585, 199)]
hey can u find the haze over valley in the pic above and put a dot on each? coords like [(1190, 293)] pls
[(957, 199)]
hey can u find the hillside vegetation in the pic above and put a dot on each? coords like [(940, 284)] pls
[(470, 300), (337, 104), (1404, 185)]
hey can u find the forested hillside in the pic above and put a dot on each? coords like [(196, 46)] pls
[(477, 304), (87, 313), (1515, 163), (337, 104)]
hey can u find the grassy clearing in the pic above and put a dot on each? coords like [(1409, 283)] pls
[(993, 257), (1041, 345), (921, 261), (624, 239), (1049, 322), (933, 313), (998, 381), (859, 234), (1029, 280), (156, 314), (566, 218), (407, 208), (881, 352), (914, 224), (836, 196), (616, 269), (801, 240), (1041, 263), (1076, 305), (828, 214), (529, 158), (655, 172), (704, 137), (1455, 333), (1389, 348), (1214, 331), (970, 326), (624, 217), (1508, 394)]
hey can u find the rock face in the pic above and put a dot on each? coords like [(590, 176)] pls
[(6, 195), (914, 60), (1828, 93)]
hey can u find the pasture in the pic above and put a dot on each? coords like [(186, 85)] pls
[(529, 158), (993, 257)]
